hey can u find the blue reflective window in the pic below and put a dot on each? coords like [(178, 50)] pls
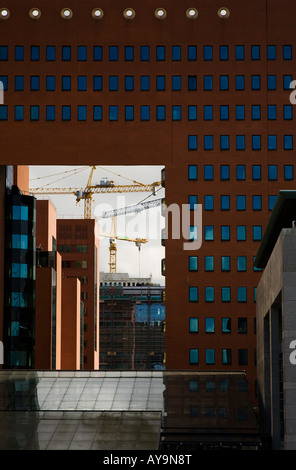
[(210, 325), (256, 142), (271, 202), (287, 52), (256, 112), (208, 172), (129, 113), (288, 172), (97, 83), (208, 202), (208, 53), (20, 213), (224, 142), (240, 112), (66, 53), (176, 82), (145, 82), (192, 112), (208, 142), (287, 79), (192, 82), (19, 53), (255, 82), (192, 201), (224, 82), (288, 111), (241, 263), (224, 112), (66, 113), (192, 172), (3, 52), (193, 356), (255, 52), (239, 52), (113, 83), (113, 113), (35, 53), (225, 263), (66, 83), (240, 142), (97, 53), (129, 83), (256, 172), (19, 241), (34, 113), (209, 232), (193, 325), (209, 263), (241, 294), (160, 113), (81, 113), (209, 294), (257, 232), (208, 82), (176, 113), (225, 232), (113, 53), (50, 53), (82, 53), (223, 53), (129, 53), (193, 294), (192, 142), (288, 142), (19, 113), (272, 142), (97, 113), (210, 356), (240, 202), (145, 113), (81, 83), (160, 82), (225, 202), (225, 294), (3, 112), (271, 111), (240, 172), (176, 52), (224, 172), (160, 52), (208, 112), (191, 52), (145, 53), (19, 82), (239, 82), (271, 52), (271, 82), (241, 233), (193, 263), (50, 83)]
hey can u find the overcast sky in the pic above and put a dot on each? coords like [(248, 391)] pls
[(146, 224)]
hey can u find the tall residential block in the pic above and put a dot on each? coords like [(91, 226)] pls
[(78, 243)]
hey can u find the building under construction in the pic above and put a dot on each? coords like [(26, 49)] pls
[(132, 323)]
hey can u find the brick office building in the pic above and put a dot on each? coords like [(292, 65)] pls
[(200, 89)]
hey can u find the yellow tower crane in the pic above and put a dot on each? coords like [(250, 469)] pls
[(87, 193), (113, 246)]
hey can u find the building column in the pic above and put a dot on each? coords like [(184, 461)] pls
[(275, 376)]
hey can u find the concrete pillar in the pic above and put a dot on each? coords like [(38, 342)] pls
[(275, 379)]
